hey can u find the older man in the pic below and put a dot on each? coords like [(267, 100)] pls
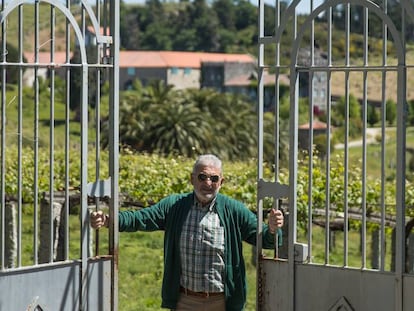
[(203, 261)]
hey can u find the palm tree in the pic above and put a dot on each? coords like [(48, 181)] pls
[(132, 116), (178, 126), (234, 123)]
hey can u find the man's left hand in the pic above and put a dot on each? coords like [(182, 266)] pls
[(276, 219)]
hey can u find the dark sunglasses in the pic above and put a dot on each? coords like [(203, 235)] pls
[(204, 177)]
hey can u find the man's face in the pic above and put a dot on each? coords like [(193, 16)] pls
[(207, 181)]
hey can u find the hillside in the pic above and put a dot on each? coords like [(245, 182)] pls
[(338, 79)]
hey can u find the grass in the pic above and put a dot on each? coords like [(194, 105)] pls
[(374, 153)]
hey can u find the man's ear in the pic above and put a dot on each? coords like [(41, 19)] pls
[(221, 181), (191, 178)]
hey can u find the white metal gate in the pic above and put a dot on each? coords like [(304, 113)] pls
[(348, 230), (56, 56)]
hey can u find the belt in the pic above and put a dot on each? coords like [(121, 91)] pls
[(188, 292)]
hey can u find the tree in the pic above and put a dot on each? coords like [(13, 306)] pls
[(246, 14), (391, 111), (410, 116), (234, 123), (225, 10), (205, 23), (130, 32), (76, 82), (175, 125), (12, 55), (372, 115), (159, 119), (350, 110), (180, 129)]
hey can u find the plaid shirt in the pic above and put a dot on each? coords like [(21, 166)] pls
[(202, 250)]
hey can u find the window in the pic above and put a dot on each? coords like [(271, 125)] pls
[(131, 71), (174, 70), (187, 71)]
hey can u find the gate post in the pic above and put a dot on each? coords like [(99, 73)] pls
[(11, 234), (375, 248), (49, 240)]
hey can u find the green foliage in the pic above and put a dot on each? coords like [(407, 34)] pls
[(410, 115), (372, 115), (160, 119), (76, 81), (347, 110), (148, 178), (12, 55), (391, 112)]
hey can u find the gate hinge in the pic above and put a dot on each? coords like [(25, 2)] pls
[(100, 188), (272, 189)]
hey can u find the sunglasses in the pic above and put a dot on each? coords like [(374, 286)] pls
[(204, 177)]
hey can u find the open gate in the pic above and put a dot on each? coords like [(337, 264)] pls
[(348, 240), (56, 58)]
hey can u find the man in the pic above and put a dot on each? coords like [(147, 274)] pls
[(203, 261)]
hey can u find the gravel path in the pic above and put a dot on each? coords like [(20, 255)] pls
[(372, 133)]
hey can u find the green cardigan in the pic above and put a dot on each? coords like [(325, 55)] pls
[(169, 215)]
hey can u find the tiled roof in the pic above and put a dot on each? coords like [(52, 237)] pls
[(156, 59), (169, 59), (317, 125), (44, 57)]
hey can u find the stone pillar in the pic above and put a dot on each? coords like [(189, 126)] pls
[(61, 230), (375, 248), (410, 253), (45, 235), (10, 239), (393, 245)]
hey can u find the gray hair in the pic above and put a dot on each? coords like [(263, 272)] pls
[(208, 159)]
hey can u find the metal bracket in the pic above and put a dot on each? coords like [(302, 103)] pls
[(100, 188), (272, 189), (104, 39), (300, 252)]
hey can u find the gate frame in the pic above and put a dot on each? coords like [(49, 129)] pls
[(86, 263), (280, 269)]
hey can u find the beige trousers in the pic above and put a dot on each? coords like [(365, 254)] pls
[(193, 303)]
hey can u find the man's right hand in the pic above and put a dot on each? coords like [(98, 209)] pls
[(99, 219)]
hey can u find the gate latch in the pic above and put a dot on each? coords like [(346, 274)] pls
[(100, 188), (274, 190)]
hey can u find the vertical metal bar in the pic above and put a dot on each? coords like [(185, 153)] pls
[(310, 147), (277, 120), (51, 130), (114, 167), (260, 94), (67, 140), (364, 146), (97, 122), (293, 170), (400, 186), (3, 140), (346, 156), (311, 116), (36, 136), (328, 114), (84, 183), (383, 127), (19, 138), (84, 175), (400, 252)]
